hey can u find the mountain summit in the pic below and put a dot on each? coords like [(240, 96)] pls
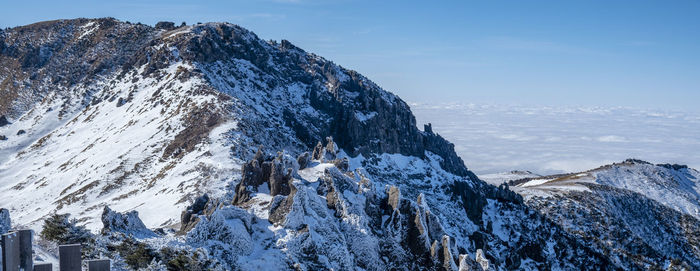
[(240, 153)]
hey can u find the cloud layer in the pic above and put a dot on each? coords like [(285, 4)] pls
[(545, 140)]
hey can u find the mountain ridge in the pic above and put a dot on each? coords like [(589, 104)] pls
[(241, 149)]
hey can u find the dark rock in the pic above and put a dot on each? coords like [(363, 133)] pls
[(3, 137), (673, 166), (342, 164), (473, 200), (280, 177), (303, 160), (318, 153), (120, 102), (252, 177), (281, 206), (3, 121), (438, 145), (513, 261), (331, 149), (189, 217), (165, 25), (21, 132)]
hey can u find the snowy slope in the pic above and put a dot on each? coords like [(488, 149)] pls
[(643, 215), (674, 186)]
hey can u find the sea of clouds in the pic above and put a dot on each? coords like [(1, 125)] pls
[(547, 140)]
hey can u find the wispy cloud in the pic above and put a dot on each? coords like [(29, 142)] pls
[(259, 16), (532, 45), (640, 43)]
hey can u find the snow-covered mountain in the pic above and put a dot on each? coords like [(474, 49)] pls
[(240, 153), (644, 216)]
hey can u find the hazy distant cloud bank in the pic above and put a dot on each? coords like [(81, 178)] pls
[(499, 138)]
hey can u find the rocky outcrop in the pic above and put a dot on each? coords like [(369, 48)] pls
[(281, 205), (5, 222), (228, 229), (281, 172), (165, 25), (128, 224), (446, 150), (58, 53), (277, 173), (253, 174), (201, 206), (303, 160)]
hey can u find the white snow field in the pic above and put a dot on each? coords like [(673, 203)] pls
[(548, 140)]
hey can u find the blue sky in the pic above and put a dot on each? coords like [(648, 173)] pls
[(593, 53)]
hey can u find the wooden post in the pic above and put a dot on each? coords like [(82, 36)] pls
[(69, 257), (99, 265), (26, 261), (41, 266), (10, 251)]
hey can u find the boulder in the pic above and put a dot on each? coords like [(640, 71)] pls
[(3, 121)]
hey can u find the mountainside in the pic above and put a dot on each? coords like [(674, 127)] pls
[(224, 151), (645, 216)]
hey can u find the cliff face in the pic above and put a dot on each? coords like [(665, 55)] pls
[(134, 117)]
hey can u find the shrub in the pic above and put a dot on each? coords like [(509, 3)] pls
[(136, 254), (62, 230)]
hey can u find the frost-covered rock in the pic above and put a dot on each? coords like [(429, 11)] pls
[(228, 228), (127, 223), (483, 262)]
